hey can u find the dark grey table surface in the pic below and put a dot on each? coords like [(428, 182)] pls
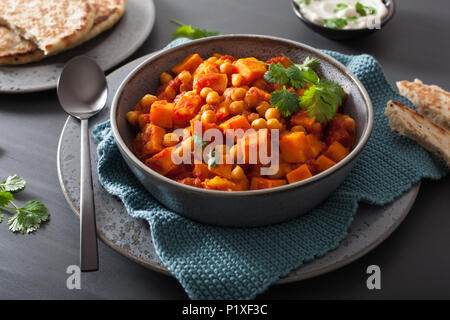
[(414, 260)]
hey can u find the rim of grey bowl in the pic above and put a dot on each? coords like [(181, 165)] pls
[(153, 174), (299, 14)]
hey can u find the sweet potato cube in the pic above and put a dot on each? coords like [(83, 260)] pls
[(242, 184), (323, 163), (337, 151), (186, 108), (298, 174), (201, 171), (223, 170), (190, 63), (250, 69), (253, 145), (263, 183), (294, 147), (216, 81), (162, 161), (153, 137), (302, 118), (236, 122), (161, 114), (219, 183), (316, 146)]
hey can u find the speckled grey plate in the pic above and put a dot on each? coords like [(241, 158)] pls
[(132, 237), (108, 49)]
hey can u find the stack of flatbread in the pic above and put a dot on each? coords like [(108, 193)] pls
[(31, 30), (430, 127)]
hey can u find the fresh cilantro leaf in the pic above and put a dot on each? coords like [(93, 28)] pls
[(340, 6), (309, 62), (212, 160), (13, 183), (335, 23), (335, 89), (322, 100), (188, 31), (277, 74), (29, 217), (352, 19), (364, 10), (287, 102), (299, 78), (198, 140), (5, 198), (305, 2)]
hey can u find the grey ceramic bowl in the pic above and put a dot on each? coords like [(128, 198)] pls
[(239, 208), (343, 34)]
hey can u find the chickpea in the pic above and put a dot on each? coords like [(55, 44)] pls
[(165, 78), (212, 98), (185, 77), (205, 107), (147, 101), (238, 94), (170, 93), (236, 80), (259, 124), (298, 128), (237, 173), (170, 139), (226, 67), (212, 59), (236, 107), (205, 92), (272, 113), (209, 116), (274, 124), (252, 117), (251, 100), (262, 108), (133, 117)]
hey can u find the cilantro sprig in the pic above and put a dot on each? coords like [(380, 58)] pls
[(27, 218), (198, 140), (320, 97), (364, 10), (213, 161), (190, 32)]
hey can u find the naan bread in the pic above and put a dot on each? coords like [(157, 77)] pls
[(413, 125), (53, 25), (16, 50), (431, 101)]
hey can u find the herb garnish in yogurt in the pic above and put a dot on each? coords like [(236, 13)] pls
[(344, 14)]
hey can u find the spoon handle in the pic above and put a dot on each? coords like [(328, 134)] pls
[(88, 236)]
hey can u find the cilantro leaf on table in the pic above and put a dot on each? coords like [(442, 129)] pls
[(13, 183), (364, 10), (321, 100), (29, 217), (190, 32), (287, 102), (335, 23), (277, 73)]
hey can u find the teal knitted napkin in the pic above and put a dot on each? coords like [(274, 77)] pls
[(229, 263)]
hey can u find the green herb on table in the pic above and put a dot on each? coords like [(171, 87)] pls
[(335, 23), (287, 102), (364, 10), (27, 218), (340, 6), (188, 31)]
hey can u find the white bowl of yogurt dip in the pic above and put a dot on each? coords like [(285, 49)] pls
[(344, 19)]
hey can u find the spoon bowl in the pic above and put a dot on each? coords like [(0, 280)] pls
[(82, 93), (82, 88)]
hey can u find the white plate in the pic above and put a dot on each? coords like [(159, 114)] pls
[(108, 49)]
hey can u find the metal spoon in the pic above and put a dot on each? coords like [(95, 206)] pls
[(82, 93)]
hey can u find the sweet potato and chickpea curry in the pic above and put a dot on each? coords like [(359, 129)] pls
[(224, 93)]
